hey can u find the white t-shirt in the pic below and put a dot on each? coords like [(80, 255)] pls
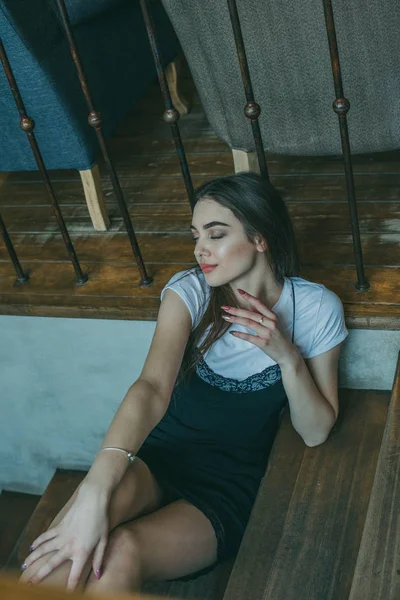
[(319, 323)]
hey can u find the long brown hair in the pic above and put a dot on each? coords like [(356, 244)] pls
[(262, 212)]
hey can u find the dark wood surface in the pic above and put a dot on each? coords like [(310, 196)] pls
[(377, 573), (313, 187), (16, 509), (11, 590), (305, 530)]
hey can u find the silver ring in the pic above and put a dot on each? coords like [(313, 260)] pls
[(261, 321)]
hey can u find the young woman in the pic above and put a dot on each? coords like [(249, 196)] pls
[(237, 339)]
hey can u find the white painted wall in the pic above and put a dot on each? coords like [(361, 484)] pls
[(61, 381)]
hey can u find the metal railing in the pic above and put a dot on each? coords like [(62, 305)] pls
[(95, 121), (28, 125), (252, 111)]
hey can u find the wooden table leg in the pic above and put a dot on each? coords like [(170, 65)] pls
[(95, 198), (172, 73)]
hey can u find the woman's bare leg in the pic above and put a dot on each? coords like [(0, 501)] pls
[(171, 542), (137, 494)]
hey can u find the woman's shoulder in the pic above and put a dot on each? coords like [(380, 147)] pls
[(310, 295), (320, 323), (190, 280), (191, 286)]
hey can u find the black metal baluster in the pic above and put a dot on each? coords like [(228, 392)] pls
[(252, 110), (95, 121), (27, 124), (21, 276), (341, 107), (171, 115)]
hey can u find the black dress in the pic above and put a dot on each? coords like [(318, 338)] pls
[(212, 446)]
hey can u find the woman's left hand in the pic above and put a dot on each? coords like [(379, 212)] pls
[(264, 322)]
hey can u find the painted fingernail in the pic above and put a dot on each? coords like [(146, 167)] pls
[(226, 307), (23, 566), (31, 547), (98, 574), (226, 318), (241, 291)]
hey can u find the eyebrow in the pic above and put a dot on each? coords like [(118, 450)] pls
[(211, 224)]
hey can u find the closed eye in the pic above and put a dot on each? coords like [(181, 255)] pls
[(212, 237)]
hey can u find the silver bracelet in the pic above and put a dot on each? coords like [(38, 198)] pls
[(131, 457)]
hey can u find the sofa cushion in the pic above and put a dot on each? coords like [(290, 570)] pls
[(80, 11)]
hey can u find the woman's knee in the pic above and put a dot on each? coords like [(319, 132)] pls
[(121, 567), (122, 564), (123, 549)]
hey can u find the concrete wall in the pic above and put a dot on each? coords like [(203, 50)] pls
[(63, 379)]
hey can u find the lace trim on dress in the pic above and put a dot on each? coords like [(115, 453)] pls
[(258, 381)]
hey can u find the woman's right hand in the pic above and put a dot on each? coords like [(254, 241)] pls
[(83, 528)]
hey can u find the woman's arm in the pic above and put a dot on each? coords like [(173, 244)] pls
[(147, 399), (83, 527), (312, 391)]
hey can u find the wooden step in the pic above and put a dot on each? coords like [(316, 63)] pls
[(12, 590), (16, 509), (377, 573), (213, 160), (307, 520), (305, 530), (113, 291)]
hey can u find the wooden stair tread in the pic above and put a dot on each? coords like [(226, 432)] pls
[(10, 589), (217, 163), (375, 188), (333, 249), (113, 291), (307, 217), (15, 510), (377, 572), (305, 530)]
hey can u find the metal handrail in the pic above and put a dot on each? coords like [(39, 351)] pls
[(28, 125), (171, 115), (95, 121)]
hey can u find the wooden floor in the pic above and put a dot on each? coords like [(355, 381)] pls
[(314, 188)]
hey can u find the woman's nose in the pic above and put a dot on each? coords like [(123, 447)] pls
[(201, 250)]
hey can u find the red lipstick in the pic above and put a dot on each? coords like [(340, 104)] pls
[(207, 268)]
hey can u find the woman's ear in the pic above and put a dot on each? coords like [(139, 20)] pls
[(261, 244)]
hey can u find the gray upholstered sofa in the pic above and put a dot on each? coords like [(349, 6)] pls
[(118, 63), (288, 54)]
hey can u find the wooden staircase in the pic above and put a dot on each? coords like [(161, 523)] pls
[(325, 525)]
